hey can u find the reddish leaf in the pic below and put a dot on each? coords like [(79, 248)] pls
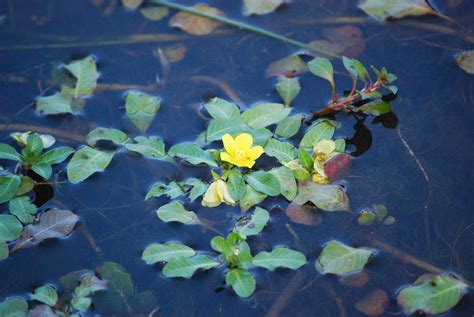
[(194, 24), (356, 280), (288, 66), (338, 167), (350, 38), (373, 304), (303, 214)]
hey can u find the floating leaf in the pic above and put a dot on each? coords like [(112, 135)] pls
[(288, 66), (374, 303), (264, 182), (242, 282), (172, 190), (218, 127), (27, 184), (279, 257), (260, 136), (45, 294), (23, 209), (349, 40), (376, 108), (465, 60), (10, 228), (356, 280), (192, 153), (261, 6), (322, 67), (253, 226), (14, 307), (282, 151), (43, 170), (194, 24), (52, 224), (85, 72), (132, 4), (337, 258), (198, 188), (321, 131), (251, 198), (81, 303), (288, 127), (265, 114), (288, 88), (325, 197), (103, 134), (303, 214), (55, 156), (8, 152), (432, 294), (287, 182), (41, 311), (221, 109), (117, 278), (56, 104), (175, 211), (236, 184), (395, 9), (155, 13), (306, 160), (4, 252), (141, 109), (338, 167), (186, 267), (9, 185), (165, 252), (87, 161), (151, 147)]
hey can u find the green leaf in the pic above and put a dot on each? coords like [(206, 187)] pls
[(55, 156), (218, 127), (34, 146), (27, 184), (4, 252), (306, 160), (288, 66), (14, 307), (265, 114), (257, 222), (154, 13), (85, 72), (288, 127), (260, 136), (279, 257), (221, 245), (103, 134), (46, 294), (376, 108), (432, 294), (251, 198), (322, 67), (81, 303), (43, 170), (261, 6), (9, 185), (165, 252), (192, 153), (340, 145), (55, 104), (141, 109), (288, 88), (340, 259), (151, 147), (236, 184), (242, 282), (172, 190), (465, 61), (87, 161), (321, 131), (23, 209), (10, 228), (349, 66), (186, 267), (117, 278), (282, 151), (175, 211), (325, 197), (8, 152), (264, 182), (221, 109), (287, 181), (395, 9), (198, 188)]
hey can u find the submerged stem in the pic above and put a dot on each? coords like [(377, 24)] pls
[(242, 26)]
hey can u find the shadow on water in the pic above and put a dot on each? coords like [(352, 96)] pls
[(418, 162)]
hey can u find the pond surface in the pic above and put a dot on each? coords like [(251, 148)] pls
[(418, 161)]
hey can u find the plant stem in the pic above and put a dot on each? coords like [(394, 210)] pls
[(242, 26)]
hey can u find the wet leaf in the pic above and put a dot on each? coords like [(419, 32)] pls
[(260, 136), (261, 6), (305, 159), (340, 259), (218, 127), (150, 147), (41, 311), (288, 66), (322, 67), (14, 307), (154, 13), (172, 190), (43, 170), (251, 198), (192, 153), (325, 197), (303, 214), (242, 282), (255, 225), (4, 252), (321, 131), (338, 167), (175, 211), (52, 224), (287, 181), (194, 24), (9, 185), (27, 185), (395, 9), (85, 72), (357, 280), (465, 60), (279, 257), (132, 4), (56, 104), (8, 152), (23, 209), (103, 134), (10, 228), (288, 89), (366, 218), (186, 267), (374, 303), (117, 278), (198, 188), (264, 182), (432, 294), (46, 294), (165, 252), (55, 156), (87, 161), (284, 152), (81, 303), (221, 109), (349, 38), (264, 114), (376, 108), (288, 127), (389, 221), (141, 109), (236, 184)]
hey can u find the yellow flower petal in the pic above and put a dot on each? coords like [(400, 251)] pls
[(320, 179), (325, 146), (226, 157), (229, 143), (244, 141), (211, 197), (255, 152)]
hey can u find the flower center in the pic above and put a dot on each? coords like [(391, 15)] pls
[(239, 154)]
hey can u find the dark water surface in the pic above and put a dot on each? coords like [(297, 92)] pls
[(433, 204)]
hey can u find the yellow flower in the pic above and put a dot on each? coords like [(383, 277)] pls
[(324, 150), (239, 151), (216, 194)]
